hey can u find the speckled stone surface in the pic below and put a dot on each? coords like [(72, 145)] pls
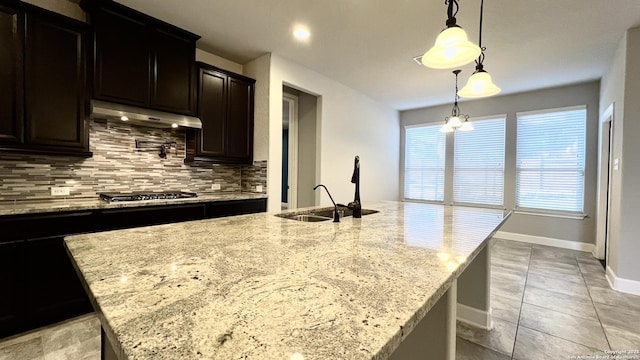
[(79, 204), (264, 287)]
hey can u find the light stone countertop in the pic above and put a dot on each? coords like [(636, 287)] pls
[(264, 287), (78, 204)]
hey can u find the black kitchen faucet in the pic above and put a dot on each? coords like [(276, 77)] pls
[(356, 206)]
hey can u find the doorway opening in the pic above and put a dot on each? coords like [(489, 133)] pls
[(606, 165), (289, 151), (299, 153)]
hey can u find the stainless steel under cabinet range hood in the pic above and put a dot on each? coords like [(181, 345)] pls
[(141, 116)]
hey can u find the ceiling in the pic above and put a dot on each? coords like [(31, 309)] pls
[(368, 45)]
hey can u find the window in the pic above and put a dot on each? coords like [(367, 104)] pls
[(478, 163), (550, 159), (424, 160)]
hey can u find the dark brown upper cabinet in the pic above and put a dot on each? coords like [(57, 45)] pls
[(140, 60), (43, 73), (121, 64), (225, 106), (11, 73)]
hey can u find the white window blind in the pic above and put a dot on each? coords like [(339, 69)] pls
[(424, 160), (478, 163), (550, 159)]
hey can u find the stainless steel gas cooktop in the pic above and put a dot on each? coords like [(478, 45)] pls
[(138, 196)]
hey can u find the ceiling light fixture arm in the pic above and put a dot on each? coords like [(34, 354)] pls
[(451, 13)]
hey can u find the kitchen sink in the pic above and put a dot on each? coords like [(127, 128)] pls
[(323, 214), (309, 218), (329, 212)]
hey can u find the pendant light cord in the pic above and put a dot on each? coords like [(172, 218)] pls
[(482, 49), (456, 109)]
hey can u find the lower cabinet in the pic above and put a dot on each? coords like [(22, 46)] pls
[(38, 282), (233, 207), (149, 215), (54, 291), (12, 270)]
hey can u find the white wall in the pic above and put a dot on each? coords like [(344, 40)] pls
[(349, 124), (612, 92), (260, 69), (64, 7), (621, 86), (579, 231), (629, 247), (307, 146), (217, 61)]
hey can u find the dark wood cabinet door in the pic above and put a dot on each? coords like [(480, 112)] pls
[(173, 73), (240, 119), (54, 291), (11, 74), (12, 269), (225, 107), (121, 65), (112, 219), (236, 207), (212, 110), (55, 59)]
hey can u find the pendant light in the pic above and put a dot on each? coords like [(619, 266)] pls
[(479, 84), (452, 48), (455, 121)]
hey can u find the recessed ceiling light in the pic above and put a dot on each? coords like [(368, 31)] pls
[(124, 118), (301, 33)]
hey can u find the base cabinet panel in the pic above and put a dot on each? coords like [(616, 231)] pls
[(54, 291), (12, 269)]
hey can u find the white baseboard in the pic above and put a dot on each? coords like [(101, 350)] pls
[(474, 317), (541, 240), (622, 285)]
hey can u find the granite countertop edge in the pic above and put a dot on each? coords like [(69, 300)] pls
[(23, 207)]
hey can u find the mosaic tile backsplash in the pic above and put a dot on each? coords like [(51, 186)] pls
[(117, 165)]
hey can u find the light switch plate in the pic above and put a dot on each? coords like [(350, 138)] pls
[(258, 188), (59, 191), (616, 164), (215, 187)]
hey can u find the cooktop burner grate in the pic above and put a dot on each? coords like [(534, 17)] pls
[(138, 196)]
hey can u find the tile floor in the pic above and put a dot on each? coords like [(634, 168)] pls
[(76, 339), (551, 303), (548, 303)]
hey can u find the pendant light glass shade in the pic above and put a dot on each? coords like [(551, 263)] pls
[(466, 126), (479, 85), (454, 122), (446, 128), (452, 49)]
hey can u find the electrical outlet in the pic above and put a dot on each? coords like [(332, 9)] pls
[(215, 186), (259, 188), (60, 191)]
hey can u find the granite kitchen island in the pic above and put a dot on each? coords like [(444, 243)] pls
[(264, 287)]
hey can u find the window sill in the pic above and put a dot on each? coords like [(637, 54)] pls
[(435, 202), (573, 216), (482, 206)]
